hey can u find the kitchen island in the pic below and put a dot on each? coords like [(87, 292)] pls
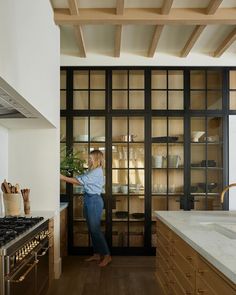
[(196, 252)]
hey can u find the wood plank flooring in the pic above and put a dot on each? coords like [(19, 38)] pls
[(126, 275)]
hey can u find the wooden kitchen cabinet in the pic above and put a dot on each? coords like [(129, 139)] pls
[(63, 232), (144, 120), (181, 270)]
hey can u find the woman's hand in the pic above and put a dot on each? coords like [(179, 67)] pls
[(71, 180)]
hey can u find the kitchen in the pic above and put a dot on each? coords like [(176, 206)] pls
[(30, 147)]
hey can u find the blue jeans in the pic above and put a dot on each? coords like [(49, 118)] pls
[(93, 205)]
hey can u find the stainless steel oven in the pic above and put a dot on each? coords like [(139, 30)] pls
[(25, 266)]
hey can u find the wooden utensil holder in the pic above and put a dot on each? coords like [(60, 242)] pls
[(12, 204), (27, 207)]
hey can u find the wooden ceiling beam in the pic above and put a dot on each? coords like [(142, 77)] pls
[(225, 44), (213, 6), (192, 40), (73, 7), (120, 7), (155, 39), (166, 7), (177, 16)]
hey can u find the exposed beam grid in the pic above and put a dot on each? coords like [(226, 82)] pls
[(225, 44), (155, 39), (213, 6), (120, 7), (118, 33), (192, 40), (73, 7), (177, 16), (166, 7)]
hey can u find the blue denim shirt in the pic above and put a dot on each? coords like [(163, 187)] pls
[(92, 181)]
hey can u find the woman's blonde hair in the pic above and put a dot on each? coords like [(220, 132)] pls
[(98, 159)]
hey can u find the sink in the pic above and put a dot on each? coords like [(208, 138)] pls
[(227, 229)]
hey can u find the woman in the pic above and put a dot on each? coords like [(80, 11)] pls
[(93, 182)]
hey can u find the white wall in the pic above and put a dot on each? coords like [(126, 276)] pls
[(29, 52), (232, 161), (3, 153)]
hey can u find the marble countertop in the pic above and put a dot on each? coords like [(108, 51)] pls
[(211, 233)]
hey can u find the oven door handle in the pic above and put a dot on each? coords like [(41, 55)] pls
[(23, 277), (45, 250)]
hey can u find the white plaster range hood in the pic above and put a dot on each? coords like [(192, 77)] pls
[(12, 104)]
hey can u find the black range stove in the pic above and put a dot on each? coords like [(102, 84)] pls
[(11, 227)]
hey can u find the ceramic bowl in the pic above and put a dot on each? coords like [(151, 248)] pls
[(195, 135)]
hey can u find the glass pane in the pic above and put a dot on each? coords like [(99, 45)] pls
[(173, 203), (159, 181), (120, 181), (214, 79), (176, 156), (81, 79), (136, 180), (118, 232), (197, 79), (203, 203), (159, 100), (159, 80), (83, 151), (136, 155), (119, 100), (197, 129), (215, 129), (232, 100), (198, 155), (136, 234), (97, 79), (136, 79), (136, 100), (119, 156), (159, 203), (176, 127), (62, 129), (159, 127), (214, 100), (175, 80), (197, 100), (175, 100), (97, 129), (62, 100), (198, 180), (214, 156), (176, 181), (232, 79), (80, 129), (97, 100), (63, 80), (119, 129), (80, 101), (159, 152), (136, 129), (81, 234), (119, 79)]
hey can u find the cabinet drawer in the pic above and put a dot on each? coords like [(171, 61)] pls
[(182, 247), (164, 263), (176, 288), (163, 229), (163, 249), (217, 282), (183, 272), (162, 284)]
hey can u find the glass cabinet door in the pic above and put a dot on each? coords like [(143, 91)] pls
[(128, 181), (167, 163), (206, 162)]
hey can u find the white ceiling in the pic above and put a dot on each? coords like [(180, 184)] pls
[(136, 39)]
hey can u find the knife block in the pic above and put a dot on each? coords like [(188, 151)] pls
[(12, 204)]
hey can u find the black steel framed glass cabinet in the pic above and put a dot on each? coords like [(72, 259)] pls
[(164, 134)]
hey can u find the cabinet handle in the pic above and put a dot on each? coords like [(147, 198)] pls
[(188, 293), (172, 282), (189, 258), (188, 275), (201, 291), (202, 271)]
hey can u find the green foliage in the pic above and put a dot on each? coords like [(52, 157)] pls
[(71, 163)]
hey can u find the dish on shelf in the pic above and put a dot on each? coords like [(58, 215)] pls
[(210, 186), (115, 188), (84, 137), (98, 138), (213, 138), (195, 164), (138, 215), (121, 214), (195, 135), (209, 163), (165, 139)]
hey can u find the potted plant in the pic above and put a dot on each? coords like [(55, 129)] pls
[(71, 163)]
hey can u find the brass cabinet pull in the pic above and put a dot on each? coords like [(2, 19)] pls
[(200, 291), (22, 278), (190, 258), (188, 275), (202, 271), (45, 250), (188, 293)]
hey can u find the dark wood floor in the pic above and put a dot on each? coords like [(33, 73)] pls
[(128, 275)]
